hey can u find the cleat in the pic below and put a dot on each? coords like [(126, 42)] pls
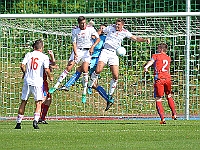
[(163, 122), (51, 90), (18, 126), (40, 121), (83, 98), (109, 104), (64, 88), (174, 118), (44, 122), (35, 124), (89, 90)]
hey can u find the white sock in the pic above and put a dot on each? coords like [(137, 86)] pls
[(36, 116), (93, 79), (113, 84), (85, 82), (60, 79), (19, 118)]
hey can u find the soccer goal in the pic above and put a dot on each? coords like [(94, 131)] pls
[(134, 93)]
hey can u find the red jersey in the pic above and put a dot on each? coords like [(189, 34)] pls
[(161, 66)]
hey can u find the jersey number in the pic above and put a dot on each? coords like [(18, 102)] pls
[(34, 63), (165, 63)]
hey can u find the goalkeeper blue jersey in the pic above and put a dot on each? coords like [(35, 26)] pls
[(99, 46)]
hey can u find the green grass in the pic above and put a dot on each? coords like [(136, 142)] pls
[(102, 135)]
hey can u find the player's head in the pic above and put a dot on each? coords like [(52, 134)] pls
[(119, 24), (82, 22), (162, 47), (38, 45), (102, 26)]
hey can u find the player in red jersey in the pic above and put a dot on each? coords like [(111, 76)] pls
[(47, 100), (162, 80)]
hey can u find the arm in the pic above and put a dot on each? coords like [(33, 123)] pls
[(23, 69), (148, 65), (75, 50), (47, 70), (139, 39)]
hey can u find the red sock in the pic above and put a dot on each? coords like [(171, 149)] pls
[(171, 105), (160, 109), (44, 111)]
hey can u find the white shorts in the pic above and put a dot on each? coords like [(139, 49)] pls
[(37, 92), (109, 56), (83, 56)]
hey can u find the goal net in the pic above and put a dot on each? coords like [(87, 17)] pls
[(134, 93)]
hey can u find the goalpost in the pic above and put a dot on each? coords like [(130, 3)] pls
[(134, 94)]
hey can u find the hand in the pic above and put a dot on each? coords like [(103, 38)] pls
[(148, 40), (51, 78), (50, 52), (91, 50), (145, 69)]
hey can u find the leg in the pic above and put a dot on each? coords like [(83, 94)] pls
[(169, 98), (158, 94), (70, 65), (38, 104), (85, 66), (20, 116), (95, 74), (160, 110)]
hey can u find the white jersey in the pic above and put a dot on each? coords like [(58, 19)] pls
[(114, 38), (35, 63), (83, 38)]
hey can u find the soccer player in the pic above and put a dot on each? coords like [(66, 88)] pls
[(115, 34), (83, 47), (32, 67), (47, 96), (162, 77), (93, 64)]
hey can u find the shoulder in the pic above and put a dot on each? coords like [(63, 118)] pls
[(125, 30)]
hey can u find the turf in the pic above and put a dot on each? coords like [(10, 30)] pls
[(102, 135)]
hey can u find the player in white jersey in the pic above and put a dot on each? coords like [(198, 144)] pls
[(32, 67), (83, 47), (115, 35)]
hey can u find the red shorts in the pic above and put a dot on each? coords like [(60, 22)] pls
[(161, 87), (46, 89)]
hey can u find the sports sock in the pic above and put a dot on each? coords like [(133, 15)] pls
[(73, 79), (85, 82), (160, 109), (45, 109), (113, 84), (102, 92), (36, 116), (93, 79), (62, 76), (19, 118), (171, 105)]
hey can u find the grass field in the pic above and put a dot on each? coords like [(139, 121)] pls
[(102, 135)]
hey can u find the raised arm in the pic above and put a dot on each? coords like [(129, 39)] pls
[(139, 39)]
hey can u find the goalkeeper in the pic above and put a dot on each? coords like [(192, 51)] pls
[(93, 64)]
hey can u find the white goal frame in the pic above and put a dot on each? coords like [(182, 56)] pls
[(187, 14)]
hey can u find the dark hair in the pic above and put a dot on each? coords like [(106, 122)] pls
[(80, 18), (38, 44), (163, 46), (120, 20)]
